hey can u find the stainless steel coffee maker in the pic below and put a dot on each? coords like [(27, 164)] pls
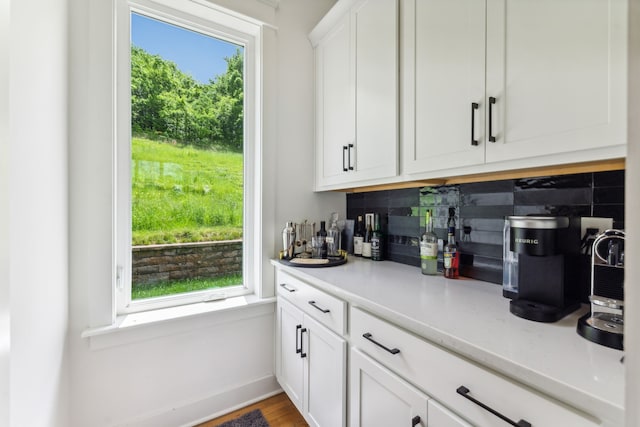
[(605, 323), (540, 266)]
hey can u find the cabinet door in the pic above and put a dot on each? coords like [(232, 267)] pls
[(378, 397), (439, 416), (557, 70), (335, 104), (375, 42), (289, 364), (443, 84), (325, 376)]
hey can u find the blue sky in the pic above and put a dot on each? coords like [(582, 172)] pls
[(196, 54)]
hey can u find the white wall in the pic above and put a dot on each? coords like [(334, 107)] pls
[(35, 249), (5, 307), (210, 366), (296, 129), (632, 226), (289, 162)]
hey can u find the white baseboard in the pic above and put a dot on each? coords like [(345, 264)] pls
[(191, 413)]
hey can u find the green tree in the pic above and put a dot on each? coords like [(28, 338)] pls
[(168, 103), (229, 92)]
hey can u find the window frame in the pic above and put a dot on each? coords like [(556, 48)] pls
[(209, 20)]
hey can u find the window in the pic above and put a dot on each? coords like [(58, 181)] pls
[(186, 149)]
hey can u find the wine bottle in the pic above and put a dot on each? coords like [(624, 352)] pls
[(429, 248), (377, 240), (366, 242), (322, 236), (451, 256), (358, 237)]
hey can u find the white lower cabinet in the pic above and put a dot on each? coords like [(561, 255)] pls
[(396, 378), (439, 416), (289, 363), (471, 392), (379, 398), (311, 366)]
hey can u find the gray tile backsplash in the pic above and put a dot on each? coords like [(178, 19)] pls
[(480, 210)]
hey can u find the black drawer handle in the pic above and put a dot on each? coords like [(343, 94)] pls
[(415, 421), (344, 165), (302, 353), (474, 107), (349, 157), (298, 343), (284, 286), (390, 350), (324, 310), (492, 102), (464, 392)]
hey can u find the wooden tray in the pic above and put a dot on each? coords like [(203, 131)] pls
[(314, 262)]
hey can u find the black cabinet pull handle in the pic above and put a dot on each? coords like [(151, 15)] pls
[(313, 304), (474, 107), (464, 392), (284, 286), (302, 353), (349, 157), (298, 343), (344, 166), (415, 421), (492, 102), (390, 350)]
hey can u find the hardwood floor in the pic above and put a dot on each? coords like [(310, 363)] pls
[(278, 410)]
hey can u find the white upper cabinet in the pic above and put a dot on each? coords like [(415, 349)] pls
[(443, 84), (557, 71), (335, 103), (503, 84), (356, 93)]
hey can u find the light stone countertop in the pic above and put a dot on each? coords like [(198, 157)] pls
[(472, 319)]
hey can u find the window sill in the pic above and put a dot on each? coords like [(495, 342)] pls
[(152, 324)]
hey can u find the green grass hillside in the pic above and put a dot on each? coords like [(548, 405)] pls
[(183, 194)]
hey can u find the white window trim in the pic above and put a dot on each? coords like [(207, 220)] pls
[(209, 20)]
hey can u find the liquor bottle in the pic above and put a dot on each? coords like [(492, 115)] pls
[(451, 221), (322, 236), (366, 242), (429, 248), (333, 237), (377, 240), (358, 237), (451, 256)]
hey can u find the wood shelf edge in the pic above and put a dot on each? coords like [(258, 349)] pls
[(566, 169)]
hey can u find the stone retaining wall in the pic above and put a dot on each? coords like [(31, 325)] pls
[(161, 263)]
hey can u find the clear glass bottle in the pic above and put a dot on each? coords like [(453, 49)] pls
[(289, 240), (333, 237), (377, 240), (358, 237), (366, 242), (429, 248), (451, 256)]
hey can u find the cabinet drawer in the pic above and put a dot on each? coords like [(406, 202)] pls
[(445, 377), (326, 309)]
